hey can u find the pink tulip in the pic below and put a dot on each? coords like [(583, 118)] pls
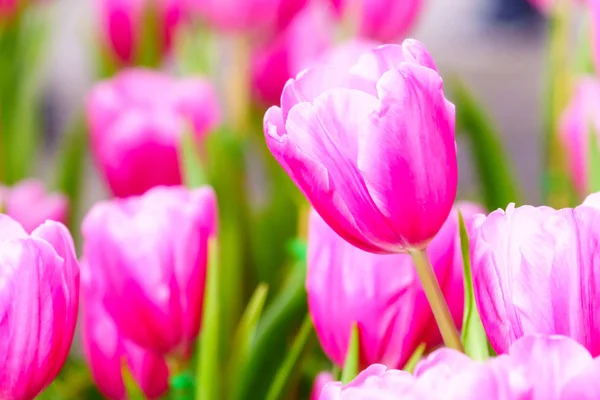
[(536, 368), (382, 294), (30, 205), (382, 20), (8, 8), (122, 24), (151, 252), (579, 124), (320, 381), (39, 292), (534, 272), (137, 120), (289, 52), (372, 148), (107, 351), (247, 15)]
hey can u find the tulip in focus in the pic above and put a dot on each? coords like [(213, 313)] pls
[(320, 381), (151, 252), (137, 120), (371, 147), (381, 293), (536, 368), (107, 351), (122, 25), (30, 205), (39, 295), (381, 20), (580, 123), (535, 271)]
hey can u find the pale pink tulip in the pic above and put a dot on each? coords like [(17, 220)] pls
[(151, 252), (534, 271), (30, 205), (39, 295), (372, 147), (580, 129), (320, 381), (382, 294), (382, 20), (137, 120)]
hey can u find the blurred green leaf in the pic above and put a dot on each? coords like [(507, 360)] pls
[(304, 341), (594, 161), (473, 335), (148, 52), (415, 358), (195, 50), (493, 166), (584, 60), (209, 367), (298, 249), (190, 161), (352, 362), (131, 387)]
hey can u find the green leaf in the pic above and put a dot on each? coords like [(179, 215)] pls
[(473, 335), (584, 60), (302, 344), (594, 161), (131, 387), (209, 368), (190, 161), (415, 358), (148, 52), (352, 362), (496, 176)]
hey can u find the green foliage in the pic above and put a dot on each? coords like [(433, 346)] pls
[(352, 362)]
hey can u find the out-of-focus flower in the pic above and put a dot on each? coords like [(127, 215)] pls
[(382, 294), (247, 16), (534, 271), (536, 367), (137, 120), (320, 381), (381, 20), (39, 296), (8, 8), (122, 24), (579, 122), (295, 48), (30, 205), (372, 147), (107, 351), (151, 252)]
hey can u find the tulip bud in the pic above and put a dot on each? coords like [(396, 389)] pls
[(381, 20), (534, 271), (382, 294), (39, 293), (151, 252), (372, 147), (107, 351), (137, 120), (30, 205)]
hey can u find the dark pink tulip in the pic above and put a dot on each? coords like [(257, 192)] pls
[(122, 24), (137, 120), (39, 294), (320, 381), (372, 147), (534, 271), (381, 20), (380, 293), (151, 252), (30, 205), (107, 351)]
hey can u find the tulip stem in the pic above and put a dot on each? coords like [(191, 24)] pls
[(436, 300)]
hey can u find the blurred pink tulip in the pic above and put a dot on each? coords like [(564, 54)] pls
[(372, 147), (579, 122), (382, 20), (137, 120), (122, 24), (247, 15), (30, 205), (534, 271), (107, 351), (320, 381), (8, 8), (536, 368), (382, 294), (151, 252), (39, 295)]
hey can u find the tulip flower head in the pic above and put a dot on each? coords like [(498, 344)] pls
[(137, 120), (39, 295), (371, 147)]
